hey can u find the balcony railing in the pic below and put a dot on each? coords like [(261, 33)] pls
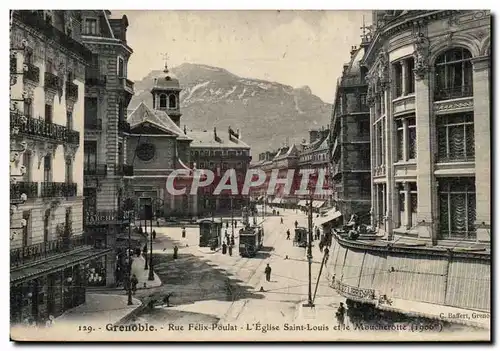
[(124, 170), (95, 78), (28, 188), (40, 128), (71, 91), (350, 81), (105, 217), (453, 93), (128, 85), (123, 126), (52, 82), (32, 74), (37, 22), (52, 189), (93, 123), (40, 251), (95, 170)]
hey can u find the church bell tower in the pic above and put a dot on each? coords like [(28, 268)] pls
[(166, 95)]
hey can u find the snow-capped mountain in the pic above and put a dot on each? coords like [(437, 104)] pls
[(266, 113)]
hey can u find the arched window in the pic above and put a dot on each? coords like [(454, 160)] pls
[(163, 101), (172, 102), (453, 74)]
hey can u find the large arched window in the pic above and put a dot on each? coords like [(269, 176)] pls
[(172, 102), (163, 101), (453, 74)]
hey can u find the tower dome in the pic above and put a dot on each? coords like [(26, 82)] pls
[(167, 80)]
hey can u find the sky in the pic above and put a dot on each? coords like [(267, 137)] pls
[(296, 48)]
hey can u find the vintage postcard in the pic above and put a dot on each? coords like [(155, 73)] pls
[(250, 175)]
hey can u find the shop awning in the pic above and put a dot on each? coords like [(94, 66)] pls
[(318, 204), (329, 217), (54, 265), (302, 203)]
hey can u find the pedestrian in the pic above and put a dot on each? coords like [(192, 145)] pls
[(145, 251), (296, 224), (267, 271), (157, 222), (176, 250), (183, 232), (281, 220), (232, 240), (288, 234), (327, 254), (154, 234), (134, 281), (224, 248), (230, 250), (166, 299), (341, 314)]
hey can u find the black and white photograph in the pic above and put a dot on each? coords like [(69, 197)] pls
[(250, 175)]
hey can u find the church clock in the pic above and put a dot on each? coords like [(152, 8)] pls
[(145, 151)]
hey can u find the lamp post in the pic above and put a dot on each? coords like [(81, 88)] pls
[(129, 259), (149, 214), (309, 250), (146, 232)]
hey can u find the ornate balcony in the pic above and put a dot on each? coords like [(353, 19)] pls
[(32, 74), (42, 129), (36, 21), (128, 85), (94, 78), (28, 188), (124, 170), (52, 189), (95, 170), (52, 82), (93, 124), (40, 251), (453, 93), (105, 217), (71, 91)]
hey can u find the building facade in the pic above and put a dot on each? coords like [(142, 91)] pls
[(429, 96), (49, 256), (156, 145), (349, 146), (107, 95), (219, 152), (315, 155)]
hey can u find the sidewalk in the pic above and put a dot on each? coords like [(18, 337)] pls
[(99, 309), (142, 274)]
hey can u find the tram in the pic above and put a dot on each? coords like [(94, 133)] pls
[(251, 240), (300, 238)]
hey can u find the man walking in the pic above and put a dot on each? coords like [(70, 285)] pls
[(288, 234), (296, 224), (341, 314), (267, 271)]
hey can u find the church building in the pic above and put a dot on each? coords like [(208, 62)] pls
[(156, 145)]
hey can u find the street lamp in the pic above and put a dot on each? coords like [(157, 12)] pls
[(309, 250), (130, 216)]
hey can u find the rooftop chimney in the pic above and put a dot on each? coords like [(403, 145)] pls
[(353, 50)]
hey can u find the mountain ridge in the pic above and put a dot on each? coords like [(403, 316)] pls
[(213, 96)]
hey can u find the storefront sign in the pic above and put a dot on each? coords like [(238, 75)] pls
[(353, 291)]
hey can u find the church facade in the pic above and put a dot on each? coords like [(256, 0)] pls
[(156, 146)]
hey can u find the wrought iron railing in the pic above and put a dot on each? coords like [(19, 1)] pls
[(28, 188), (94, 123), (43, 129), (52, 81), (32, 74), (105, 217), (36, 252), (93, 77), (53, 189), (36, 21), (441, 94), (95, 169), (71, 91)]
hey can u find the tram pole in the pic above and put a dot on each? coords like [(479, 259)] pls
[(309, 254), (129, 259)]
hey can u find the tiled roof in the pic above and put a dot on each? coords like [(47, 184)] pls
[(207, 139), (144, 113)]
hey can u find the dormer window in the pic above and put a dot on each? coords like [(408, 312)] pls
[(90, 26), (47, 14), (163, 101), (172, 101)]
